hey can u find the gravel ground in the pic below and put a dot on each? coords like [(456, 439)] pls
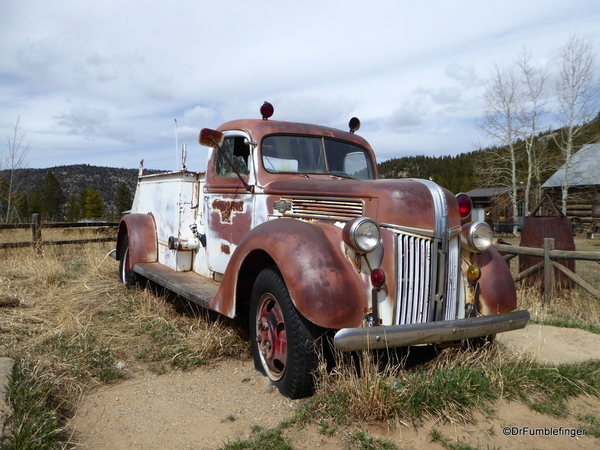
[(209, 407)]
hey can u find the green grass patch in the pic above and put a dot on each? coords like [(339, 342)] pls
[(82, 356), (366, 442), (437, 437), (567, 323), (169, 344), (38, 416), (591, 425), (261, 440), (454, 386)]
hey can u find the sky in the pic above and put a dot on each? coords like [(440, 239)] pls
[(102, 83)]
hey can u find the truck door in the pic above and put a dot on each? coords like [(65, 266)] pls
[(228, 206)]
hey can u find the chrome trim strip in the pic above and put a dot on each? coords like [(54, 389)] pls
[(409, 230), (343, 209), (441, 209)]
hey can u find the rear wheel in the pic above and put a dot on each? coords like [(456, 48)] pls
[(284, 344), (126, 273)]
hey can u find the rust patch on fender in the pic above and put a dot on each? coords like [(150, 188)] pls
[(227, 209), (225, 249)]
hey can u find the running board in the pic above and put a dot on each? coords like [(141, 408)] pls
[(189, 285)]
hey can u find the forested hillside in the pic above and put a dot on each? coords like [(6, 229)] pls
[(455, 173), (70, 183), (460, 174)]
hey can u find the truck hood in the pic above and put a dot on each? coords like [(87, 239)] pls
[(405, 202)]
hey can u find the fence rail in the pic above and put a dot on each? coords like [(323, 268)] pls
[(37, 226), (548, 263)]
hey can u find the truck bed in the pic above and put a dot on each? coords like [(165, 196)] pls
[(187, 284)]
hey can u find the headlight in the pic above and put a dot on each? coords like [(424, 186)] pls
[(362, 234), (477, 236)]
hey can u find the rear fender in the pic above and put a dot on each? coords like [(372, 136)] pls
[(323, 286), (141, 232)]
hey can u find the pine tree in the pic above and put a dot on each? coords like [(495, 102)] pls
[(122, 198), (92, 205), (73, 209), (35, 204), (51, 197)]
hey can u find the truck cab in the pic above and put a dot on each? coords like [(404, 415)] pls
[(290, 225)]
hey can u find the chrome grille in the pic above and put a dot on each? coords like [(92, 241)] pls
[(325, 208), (453, 278), (416, 278)]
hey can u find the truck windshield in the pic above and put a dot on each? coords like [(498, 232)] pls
[(315, 155)]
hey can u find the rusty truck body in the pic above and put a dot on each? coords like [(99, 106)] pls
[(290, 225)]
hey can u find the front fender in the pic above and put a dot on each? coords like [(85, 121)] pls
[(497, 292), (141, 232), (324, 287)]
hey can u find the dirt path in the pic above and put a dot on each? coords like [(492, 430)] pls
[(209, 407)]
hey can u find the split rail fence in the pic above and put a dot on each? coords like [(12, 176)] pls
[(37, 226), (548, 263)]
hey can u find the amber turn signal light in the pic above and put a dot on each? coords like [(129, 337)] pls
[(473, 273)]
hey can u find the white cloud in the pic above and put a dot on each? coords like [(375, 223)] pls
[(109, 77)]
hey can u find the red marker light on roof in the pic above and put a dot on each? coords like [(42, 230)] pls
[(266, 110), (464, 205)]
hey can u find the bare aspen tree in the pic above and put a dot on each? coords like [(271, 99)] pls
[(534, 99), (576, 92), (503, 123), (12, 160)]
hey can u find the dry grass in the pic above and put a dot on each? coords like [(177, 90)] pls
[(451, 387), (574, 307), (57, 234), (68, 312), (452, 384)]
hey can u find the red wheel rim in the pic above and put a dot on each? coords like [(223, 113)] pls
[(271, 336)]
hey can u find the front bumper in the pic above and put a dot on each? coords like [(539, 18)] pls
[(371, 338)]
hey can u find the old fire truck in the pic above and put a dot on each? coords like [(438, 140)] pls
[(291, 226)]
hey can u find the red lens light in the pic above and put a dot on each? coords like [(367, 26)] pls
[(377, 277), (266, 110), (464, 205)]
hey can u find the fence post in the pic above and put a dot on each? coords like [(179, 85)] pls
[(548, 271), (36, 232)]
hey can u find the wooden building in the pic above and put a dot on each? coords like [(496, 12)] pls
[(583, 203)]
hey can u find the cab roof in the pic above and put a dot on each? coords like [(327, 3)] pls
[(258, 129)]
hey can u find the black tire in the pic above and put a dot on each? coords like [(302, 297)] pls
[(128, 276), (284, 344)]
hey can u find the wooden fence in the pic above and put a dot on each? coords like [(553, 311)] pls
[(37, 226), (548, 263)]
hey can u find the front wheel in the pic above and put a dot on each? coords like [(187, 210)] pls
[(284, 344)]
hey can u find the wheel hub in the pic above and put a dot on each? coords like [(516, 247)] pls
[(271, 337)]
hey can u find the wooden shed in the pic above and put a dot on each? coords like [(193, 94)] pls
[(583, 203)]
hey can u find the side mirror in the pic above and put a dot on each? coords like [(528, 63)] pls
[(210, 138)]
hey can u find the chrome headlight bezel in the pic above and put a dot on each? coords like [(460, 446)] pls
[(479, 237), (363, 235)]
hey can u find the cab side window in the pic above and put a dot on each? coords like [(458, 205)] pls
[(238, 152)]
